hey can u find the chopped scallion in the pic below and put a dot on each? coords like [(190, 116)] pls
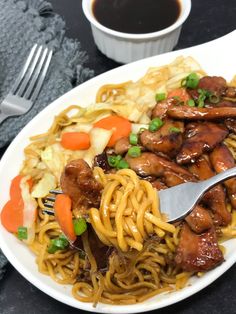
[(134, 151), (133, 139), (203, 94), (160, 96), (214, 99), (52, 248), (60, 243), (123, 164), (191, 81), (80, 226), (114, 160), (117, 162), (155, 124), (22, 233), (191, 103)]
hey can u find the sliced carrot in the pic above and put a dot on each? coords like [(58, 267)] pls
[(63, 214), (121, 127), (12, 215), (181, 93), (12, 212), (15, 190), (75, 140)]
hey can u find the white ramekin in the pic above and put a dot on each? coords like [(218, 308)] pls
[(125, 47)]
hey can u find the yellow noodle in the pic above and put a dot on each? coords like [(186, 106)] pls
[(142, 263)]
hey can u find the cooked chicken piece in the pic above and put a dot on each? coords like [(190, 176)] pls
[(229, 92), (198, 252), (161, 107), (122, 145), (146, 165), (202, 168), (199, 220), (195, 113), (213, 84), (222, 159), (221, 103), (215, 198), (158, 185), (231, 124), (200, 138), (165, 140), (172, 178), (149, 164), (78, 182)]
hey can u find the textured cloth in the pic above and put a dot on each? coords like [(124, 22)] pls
[(22, 24)]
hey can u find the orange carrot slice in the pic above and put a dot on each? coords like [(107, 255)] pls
[(12, 212), (75, 140), (12, 215), (121, 127), (63, 214), (15, 190), (181, 93)]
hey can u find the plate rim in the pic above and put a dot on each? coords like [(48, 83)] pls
[(70, 300)]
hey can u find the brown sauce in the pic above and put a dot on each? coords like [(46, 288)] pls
[(136, 16)]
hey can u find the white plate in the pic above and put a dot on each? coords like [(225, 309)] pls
[(216, 58)]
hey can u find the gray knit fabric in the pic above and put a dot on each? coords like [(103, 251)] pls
[(22, 24)]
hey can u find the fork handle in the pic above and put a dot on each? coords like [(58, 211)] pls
[(3, 117), (209, 183)]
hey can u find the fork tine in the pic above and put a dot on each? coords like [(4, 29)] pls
[(24, 69), (29, 72), (55, 191), (48, 205), (42, 76), (49, 212), (51, 199), (36, 74)]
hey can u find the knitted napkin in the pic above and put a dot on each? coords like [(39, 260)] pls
[(22, 24)]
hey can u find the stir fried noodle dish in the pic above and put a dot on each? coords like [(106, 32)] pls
[(85, 200)]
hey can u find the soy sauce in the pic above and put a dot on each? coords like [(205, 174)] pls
[(136, 16)]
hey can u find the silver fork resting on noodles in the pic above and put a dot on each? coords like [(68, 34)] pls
[(176, 202)]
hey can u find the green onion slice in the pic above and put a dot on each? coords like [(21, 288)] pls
[(214, 99), (117, 162), (22, 233), (80, 226), (191, 103), (155, 124), (114, 160), (123, 164), (133, 139), (134, 151), (60, 243), (160, 96), (191, 81), (203, 94), (52, 248)]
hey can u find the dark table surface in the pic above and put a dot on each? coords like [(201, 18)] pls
[(209, 19)]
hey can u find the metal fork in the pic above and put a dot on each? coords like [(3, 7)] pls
[(28, 83), (176, 202)]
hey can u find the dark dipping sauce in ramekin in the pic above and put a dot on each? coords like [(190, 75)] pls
[(136, 16)]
